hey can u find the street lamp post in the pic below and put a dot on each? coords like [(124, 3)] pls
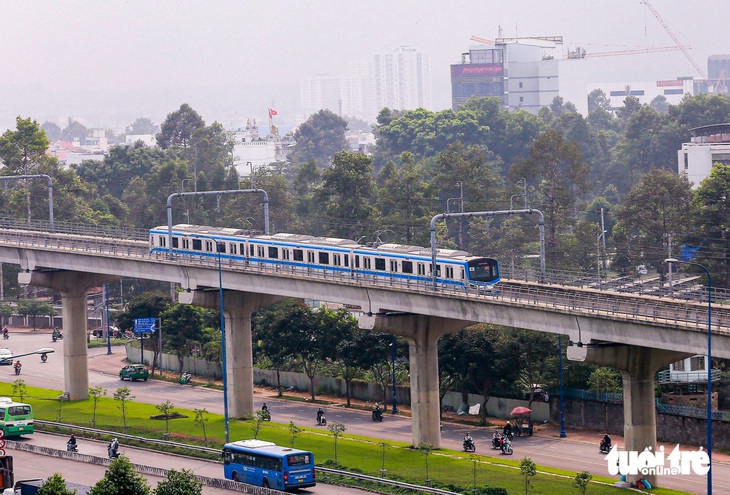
[(562, 408), (598, 257), (219, 246), (395, 396), (709, 365)]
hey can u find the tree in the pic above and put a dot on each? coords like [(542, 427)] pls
[(201, 417), (337, 429), (605, 380), (178, 128), (319, 138), (23, 148), (183, 325), (20, 388), (151, 304), (183, 482), (537, 355), (142, 125), (597, 99), (347, 194), (294, 430), (52, 130), (121, 479), (56, 485), (74, 130), (95, 393), (528, 469), (167, 409), (655, 210), (711, 230), (581, 481), (557, 167), (425, 449), (123, 395), (31, 308)]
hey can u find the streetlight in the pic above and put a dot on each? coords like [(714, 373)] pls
[(598, 257), (395, 405), (220, 246), (562, 408), (709, 366)]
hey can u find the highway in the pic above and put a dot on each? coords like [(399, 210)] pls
[(546, 450)]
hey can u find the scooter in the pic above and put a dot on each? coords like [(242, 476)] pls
[(378, 415), (185, 378), (266, 415), (56, 335), (71, 447), (113, 452), (17, 369), (6, 335), (496, 441), (469, 446), (506, 446), (321, 420), (604, 447)]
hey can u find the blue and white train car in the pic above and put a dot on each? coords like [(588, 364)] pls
[(327, 254)]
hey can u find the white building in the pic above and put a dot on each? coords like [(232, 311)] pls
[(147, 139), (709, 144), (673, 90), (252, 151), (402, 79)]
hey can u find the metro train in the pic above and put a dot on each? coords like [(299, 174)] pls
[(326, 254)]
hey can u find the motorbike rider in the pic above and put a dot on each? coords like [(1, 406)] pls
[(468, 440), (71, 444), (606, 442), (320, 413), (5, 332), (113, 448), (507, 430), (265, 408), (18, 365), (377, 411)]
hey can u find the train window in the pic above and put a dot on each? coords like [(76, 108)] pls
[(298, 255), (449, 272), (393, 266), (163, 241), (208, 246), (250, 249), (197, 245), (337, 260), (260, 251), (285, 254), (357, 261), (175, 242), (380, 264), (310, 256), (324, 258), (242, 247), (366, 263), (233, 249), (220, 247), (421, 268), (347, 260), (273, 252), (186, 243), (461, 277), (407, 266)]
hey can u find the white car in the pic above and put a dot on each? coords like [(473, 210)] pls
[(6, 356)]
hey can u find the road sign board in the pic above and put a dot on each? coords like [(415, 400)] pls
[(145, 325)]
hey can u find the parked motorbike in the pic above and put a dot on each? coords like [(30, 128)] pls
[(378, 415), (185, 378), (469, 446)]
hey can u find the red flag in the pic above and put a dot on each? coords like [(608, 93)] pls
[(272, 113)]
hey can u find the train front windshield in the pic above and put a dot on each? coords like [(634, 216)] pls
[(483, 270)]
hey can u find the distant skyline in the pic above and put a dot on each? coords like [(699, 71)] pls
[(108, 63)]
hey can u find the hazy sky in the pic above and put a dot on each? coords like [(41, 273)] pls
[(108, 62)]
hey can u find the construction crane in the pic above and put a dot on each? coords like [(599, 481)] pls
[(581, 53), (482, 40), (684, 49)]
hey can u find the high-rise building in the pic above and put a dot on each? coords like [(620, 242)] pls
[(402, 79)]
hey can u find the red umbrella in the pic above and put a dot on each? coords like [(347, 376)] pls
[(519, 410)]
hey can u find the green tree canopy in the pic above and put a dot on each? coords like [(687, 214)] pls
[(319, 138), (178, 128)]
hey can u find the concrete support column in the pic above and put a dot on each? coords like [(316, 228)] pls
[(423, 333), (237, 308), (638, 365), (73, 287)]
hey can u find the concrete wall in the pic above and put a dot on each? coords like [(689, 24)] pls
[(609, 417)]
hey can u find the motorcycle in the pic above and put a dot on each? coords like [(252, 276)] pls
[(113, 450), (17, 369), (378, 415), (321, 420), (56, 335), (6, 335), (185, 378), (497, 441), (71, 447), (469, 446), (506, 446), (604, 447), (265, 415)]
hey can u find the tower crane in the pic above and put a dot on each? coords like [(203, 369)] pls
[(684, 49)]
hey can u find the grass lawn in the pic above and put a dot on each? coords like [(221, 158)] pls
[(446, 467)]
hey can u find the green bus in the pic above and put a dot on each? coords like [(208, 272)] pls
[(16, 418)]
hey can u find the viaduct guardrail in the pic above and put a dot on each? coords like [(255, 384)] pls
[(554, 293)]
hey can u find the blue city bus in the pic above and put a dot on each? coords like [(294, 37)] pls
[(266, 464)]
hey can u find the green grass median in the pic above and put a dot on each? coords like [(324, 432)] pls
[(452, 470)]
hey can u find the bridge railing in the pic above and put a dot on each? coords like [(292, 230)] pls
[(612, 304)]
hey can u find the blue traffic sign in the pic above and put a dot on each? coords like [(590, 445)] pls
[(145, 325)]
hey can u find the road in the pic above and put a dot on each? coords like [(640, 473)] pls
[(566, 454)]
